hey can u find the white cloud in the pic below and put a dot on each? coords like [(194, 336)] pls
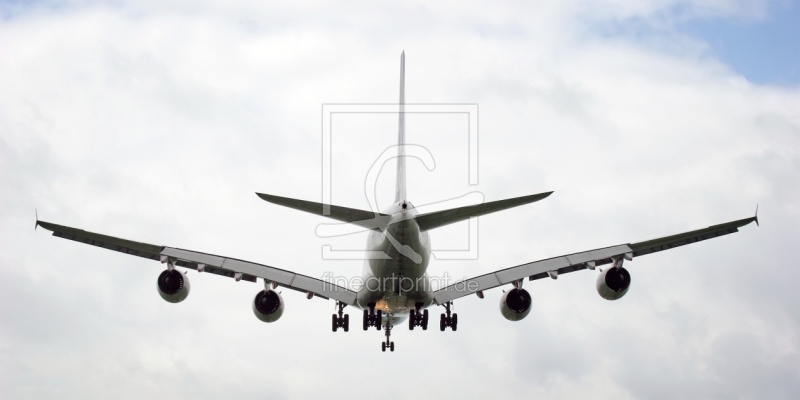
[(157, 122)]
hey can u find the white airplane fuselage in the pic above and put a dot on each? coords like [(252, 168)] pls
[(398, 283)]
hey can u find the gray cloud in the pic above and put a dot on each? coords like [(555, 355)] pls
[(157, 121)]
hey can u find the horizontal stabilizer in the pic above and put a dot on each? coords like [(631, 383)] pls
[(367, 219), (446, 217)]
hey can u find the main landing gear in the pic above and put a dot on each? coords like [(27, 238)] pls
[(417, 318), (340, 321), (372, 317), (388, 343), (448, 320)]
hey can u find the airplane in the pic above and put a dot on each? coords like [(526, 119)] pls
[(397, 287)]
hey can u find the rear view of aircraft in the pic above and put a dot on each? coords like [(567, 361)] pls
[(396, 287)]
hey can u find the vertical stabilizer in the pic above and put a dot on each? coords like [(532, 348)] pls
[(401, 136)]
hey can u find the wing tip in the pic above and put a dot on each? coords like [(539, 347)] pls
[(539, 196), (755, 218), (263, 196), (46, 225)]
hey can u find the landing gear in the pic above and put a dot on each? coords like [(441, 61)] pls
[(448, 319), (341, 321), (417, 318), (372, 317), (388, 343)]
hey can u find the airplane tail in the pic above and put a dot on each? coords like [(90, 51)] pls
[(400, 194), (373, 220)]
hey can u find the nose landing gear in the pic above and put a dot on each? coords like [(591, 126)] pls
[(341, 321), (388, 343)]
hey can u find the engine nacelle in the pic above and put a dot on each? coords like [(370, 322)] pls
[(268, 305), (515, 304), (173, 286), (613, 283)]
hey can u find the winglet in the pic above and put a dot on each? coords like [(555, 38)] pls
[(37, 218), (756, 217)]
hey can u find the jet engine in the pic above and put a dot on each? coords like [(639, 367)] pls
[(515, 304), (268, 305), (613, 283), (173, 286)]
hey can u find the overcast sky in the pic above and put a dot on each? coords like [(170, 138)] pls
[(157, 121)]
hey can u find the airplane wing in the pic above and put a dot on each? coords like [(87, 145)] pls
[(555, 266), (219, 265)]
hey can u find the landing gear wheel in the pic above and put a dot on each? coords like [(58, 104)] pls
[(391, 346), (340, 320), (378, 320), (425, 320), (454, 323), (442, 323), (412, 319), (383, 346), (366, 319)]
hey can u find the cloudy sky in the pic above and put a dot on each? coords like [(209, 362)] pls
[(158, 120)]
